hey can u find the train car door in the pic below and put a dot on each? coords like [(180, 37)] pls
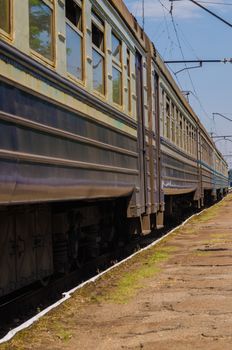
[(159, 195), (141, 132)]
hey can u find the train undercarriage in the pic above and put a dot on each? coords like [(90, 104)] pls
[(41, 240)]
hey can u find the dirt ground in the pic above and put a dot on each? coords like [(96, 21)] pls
[(177, 295)]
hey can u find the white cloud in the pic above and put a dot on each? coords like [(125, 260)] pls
[(154, 9), (182, 9)]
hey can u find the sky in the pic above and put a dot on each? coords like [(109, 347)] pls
[(192, 33)]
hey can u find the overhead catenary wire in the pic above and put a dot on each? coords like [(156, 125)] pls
[(197, 3), (169, 37), (222, 115), (182, 54), (216, 3)]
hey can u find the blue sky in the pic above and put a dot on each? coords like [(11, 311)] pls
[(201, 36)]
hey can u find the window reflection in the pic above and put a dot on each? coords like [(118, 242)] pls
[(98, 71), (40, 21), (5, 15), (74, 52), (128, 80), (116, 48), (117, 86), (98, 53)]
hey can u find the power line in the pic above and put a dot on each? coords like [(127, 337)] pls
[(186, 41), (222, 115), (182, 54), (216, 3), (209, 11)]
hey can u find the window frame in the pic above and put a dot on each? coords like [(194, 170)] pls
[(128, 78), (173, 123), (168, 118), (35, 54), (181, 124), (3, 33), (82, 36), (117, 64), (102, 53)]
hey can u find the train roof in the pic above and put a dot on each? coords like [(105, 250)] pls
[(149, 46)]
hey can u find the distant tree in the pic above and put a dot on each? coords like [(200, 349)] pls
[(40, 27)]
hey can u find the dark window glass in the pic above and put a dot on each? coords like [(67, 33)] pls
[(73, 13), (97, 18), (97, 37), (40, 22), (128, 63), (5, 15)]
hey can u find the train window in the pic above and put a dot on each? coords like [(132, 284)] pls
[(195, 142), (181, 131), (97, 31), (128, 69), (74, 38), (173, 131), (167, 119), (187, 137), (73, 13), (116, 70), (185, 145), (98, 54), (177, 127), (5, 15), (116, 49), (162, 111), (117, 86), (41, 28)]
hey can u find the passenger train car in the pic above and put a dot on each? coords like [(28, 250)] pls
[(96, 140)]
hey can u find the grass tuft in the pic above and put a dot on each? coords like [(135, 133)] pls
[(131, 281)]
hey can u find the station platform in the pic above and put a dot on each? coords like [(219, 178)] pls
[(175, 295)]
